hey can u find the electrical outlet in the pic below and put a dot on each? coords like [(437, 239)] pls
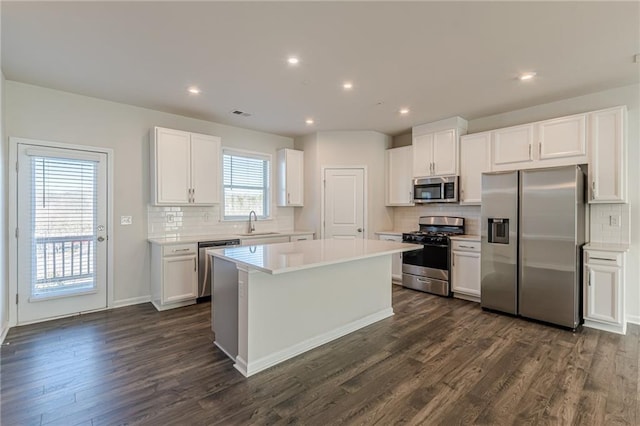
[(126, 220), (614, 221), (206, 217), (169, 218)]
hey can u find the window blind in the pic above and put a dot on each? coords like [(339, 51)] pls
[(63, 221), (246, 185)]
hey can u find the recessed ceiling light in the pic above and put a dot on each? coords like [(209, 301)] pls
[(404, 111), (194, 90), (309, 121), (292, 60), (526, 76), (347, 85)]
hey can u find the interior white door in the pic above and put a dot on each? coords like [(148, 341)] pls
[(62, 232), (344, 203)]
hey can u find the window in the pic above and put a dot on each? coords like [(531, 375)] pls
[(246, 184)]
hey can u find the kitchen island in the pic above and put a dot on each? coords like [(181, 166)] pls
[(273, 302)]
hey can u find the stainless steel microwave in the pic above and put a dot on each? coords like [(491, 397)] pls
[(443, 189)]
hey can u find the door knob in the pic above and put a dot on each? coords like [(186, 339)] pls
[(359, 229), (100, 239)]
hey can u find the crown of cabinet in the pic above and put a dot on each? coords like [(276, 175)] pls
[(290, 182), (184, 168)]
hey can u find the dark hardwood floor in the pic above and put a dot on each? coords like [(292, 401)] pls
[(437, 361)]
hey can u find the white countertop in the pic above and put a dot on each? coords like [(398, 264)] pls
[(607, 247), (289, 257), (466, 238), (181, 239)]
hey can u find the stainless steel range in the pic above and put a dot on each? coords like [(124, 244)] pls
[(428, 269)]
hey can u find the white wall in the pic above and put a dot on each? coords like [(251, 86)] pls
[(4, 281), (629, 96), (345, 148), (39, 113)]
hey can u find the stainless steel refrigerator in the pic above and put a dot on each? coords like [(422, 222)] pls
[(532, 231)]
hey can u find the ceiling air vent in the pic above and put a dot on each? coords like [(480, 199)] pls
[(242, 113)]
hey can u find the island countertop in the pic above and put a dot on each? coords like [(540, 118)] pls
[(288, 257)]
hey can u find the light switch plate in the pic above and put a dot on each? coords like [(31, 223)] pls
[(126, 220)]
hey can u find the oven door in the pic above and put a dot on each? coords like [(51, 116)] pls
[(431, 261)]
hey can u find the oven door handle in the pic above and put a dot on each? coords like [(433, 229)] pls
[(436, 245)]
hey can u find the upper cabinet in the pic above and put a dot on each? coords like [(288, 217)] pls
[(607, 147), (558, 142), (185, 168), (290, 165), (435, 147), (475, 159), (398, 162)]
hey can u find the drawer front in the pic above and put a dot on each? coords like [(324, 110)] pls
[(610, 258), (465, 245), (179, 249)]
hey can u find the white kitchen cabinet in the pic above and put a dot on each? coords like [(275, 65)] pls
[(475, 159), (399, 176), (290, 165), (301, 237), (435, 147), (185, 168), (512, 148), (465, 269), (607, 162), (604, 290), (174, 275), (396, 260), (557, 142)]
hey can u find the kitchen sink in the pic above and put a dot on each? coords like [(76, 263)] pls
[(257, 234)]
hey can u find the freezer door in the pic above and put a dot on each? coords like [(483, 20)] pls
[(499, 248), (551, 234)]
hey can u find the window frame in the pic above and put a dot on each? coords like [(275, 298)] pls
[(268, 204)]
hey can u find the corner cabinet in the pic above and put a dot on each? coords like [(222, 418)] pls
[(607, 163), (465, 269), (185, 168), (290, 165), (435, 147), (475, 159), (604, 290), (396, 260), (174, 275), (399, 176)]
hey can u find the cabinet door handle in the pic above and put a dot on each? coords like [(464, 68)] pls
[(193, 195), (588, 280), (469, 247), (195, 264), (529, 151), (602, 258), (593, 187), (177, 250), (288, 198), (453, 261), (539, 150)]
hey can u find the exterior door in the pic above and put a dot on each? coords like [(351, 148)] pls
[(62, 234), (344, 204)]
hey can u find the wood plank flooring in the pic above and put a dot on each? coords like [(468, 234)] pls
[(437, 361)]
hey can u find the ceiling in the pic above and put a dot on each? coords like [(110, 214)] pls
[(440, 59)]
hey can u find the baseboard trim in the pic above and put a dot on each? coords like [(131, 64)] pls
[(131, 301), (619, 329), (253, 367), (633, 319)]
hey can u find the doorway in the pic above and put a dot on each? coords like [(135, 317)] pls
[(344, 203), (61, 230)]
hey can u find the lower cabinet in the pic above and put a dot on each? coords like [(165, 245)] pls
[(396, 263), (604, 290), (174, 275), (465, 269)]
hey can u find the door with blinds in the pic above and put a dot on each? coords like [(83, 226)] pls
[(62, 232)]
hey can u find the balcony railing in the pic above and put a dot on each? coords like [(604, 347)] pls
[(64, 262)]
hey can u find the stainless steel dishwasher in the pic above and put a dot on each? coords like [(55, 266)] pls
[(204, 266)]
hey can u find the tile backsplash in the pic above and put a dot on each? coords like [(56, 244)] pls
[(610, 223), (185, 221), (405, 219)]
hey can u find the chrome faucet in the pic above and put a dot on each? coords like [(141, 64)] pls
[(252, 227)]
